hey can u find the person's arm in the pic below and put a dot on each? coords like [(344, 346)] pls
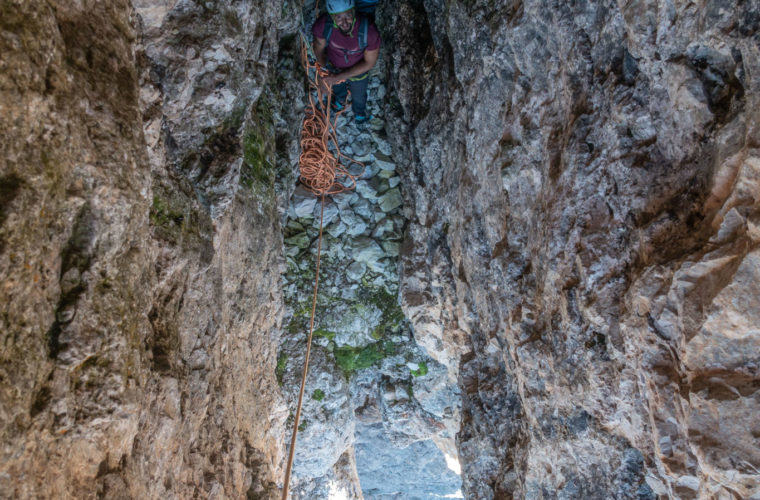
[(320, 50), (366, 64)]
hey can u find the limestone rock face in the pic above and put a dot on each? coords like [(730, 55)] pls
[(582, 188), (140, 250), (564, 195)]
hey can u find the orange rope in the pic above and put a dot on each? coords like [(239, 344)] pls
[(322, 172), (305, 362)]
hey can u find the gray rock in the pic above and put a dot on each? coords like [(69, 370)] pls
[(354, 225), (302, 205), (370, 170), (376, 123), (366, 190), (331, 211), (336, 229), (344, 200), (643, 129), (355, 271), (382, 144), (384, 163), (391, 200), (362, 144), (367, 251), (689, 482), (391, 248), (299, 241), (381, 228), (419, 470), (355, 325), (363, 208)]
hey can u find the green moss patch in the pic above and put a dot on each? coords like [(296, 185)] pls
[(175, 219), (318, 395), (351, 359), (258, 170), (422, 370), (393, 316), (325, 334), (282, 362)]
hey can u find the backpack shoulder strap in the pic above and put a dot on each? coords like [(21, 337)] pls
[(327, 31), (363, 28)]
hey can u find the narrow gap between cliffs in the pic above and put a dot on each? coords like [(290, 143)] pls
[(379, 415)]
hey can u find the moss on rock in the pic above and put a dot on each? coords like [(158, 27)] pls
[(350, 359), (258, 170)]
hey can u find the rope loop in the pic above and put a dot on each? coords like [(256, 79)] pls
[(323, 169)]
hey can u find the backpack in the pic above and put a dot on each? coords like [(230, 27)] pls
[(366, 6), (363, 28)]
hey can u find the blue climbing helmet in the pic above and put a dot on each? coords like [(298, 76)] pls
[(338, 6)]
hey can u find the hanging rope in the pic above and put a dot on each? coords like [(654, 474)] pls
[(323, 171), (305, 362)]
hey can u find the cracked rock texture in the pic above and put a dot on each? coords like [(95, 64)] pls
[(140, 249), (582, 188), (564, 195)]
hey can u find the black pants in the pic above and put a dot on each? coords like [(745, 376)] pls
[(358, 88)]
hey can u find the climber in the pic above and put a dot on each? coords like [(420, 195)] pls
[(348, 53)]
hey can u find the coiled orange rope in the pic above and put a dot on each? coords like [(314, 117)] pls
[(322, 171)]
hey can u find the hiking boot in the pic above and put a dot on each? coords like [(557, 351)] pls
[(337, 106), (360, 120)]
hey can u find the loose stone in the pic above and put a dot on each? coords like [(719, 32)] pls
[(391, 200)]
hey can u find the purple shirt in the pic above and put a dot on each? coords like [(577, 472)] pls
[(343, 50)]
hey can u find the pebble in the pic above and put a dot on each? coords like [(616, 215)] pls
[(355, 271), (365, 189), (391, 200), (382, 144)]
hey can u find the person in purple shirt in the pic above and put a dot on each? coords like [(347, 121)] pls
[(347, 45)]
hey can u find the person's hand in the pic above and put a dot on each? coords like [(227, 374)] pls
[(326, 82)]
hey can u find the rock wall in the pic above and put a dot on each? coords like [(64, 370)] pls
[(582, 187), (140, 250)]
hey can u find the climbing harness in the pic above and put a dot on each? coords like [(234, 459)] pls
[(324, 171)]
